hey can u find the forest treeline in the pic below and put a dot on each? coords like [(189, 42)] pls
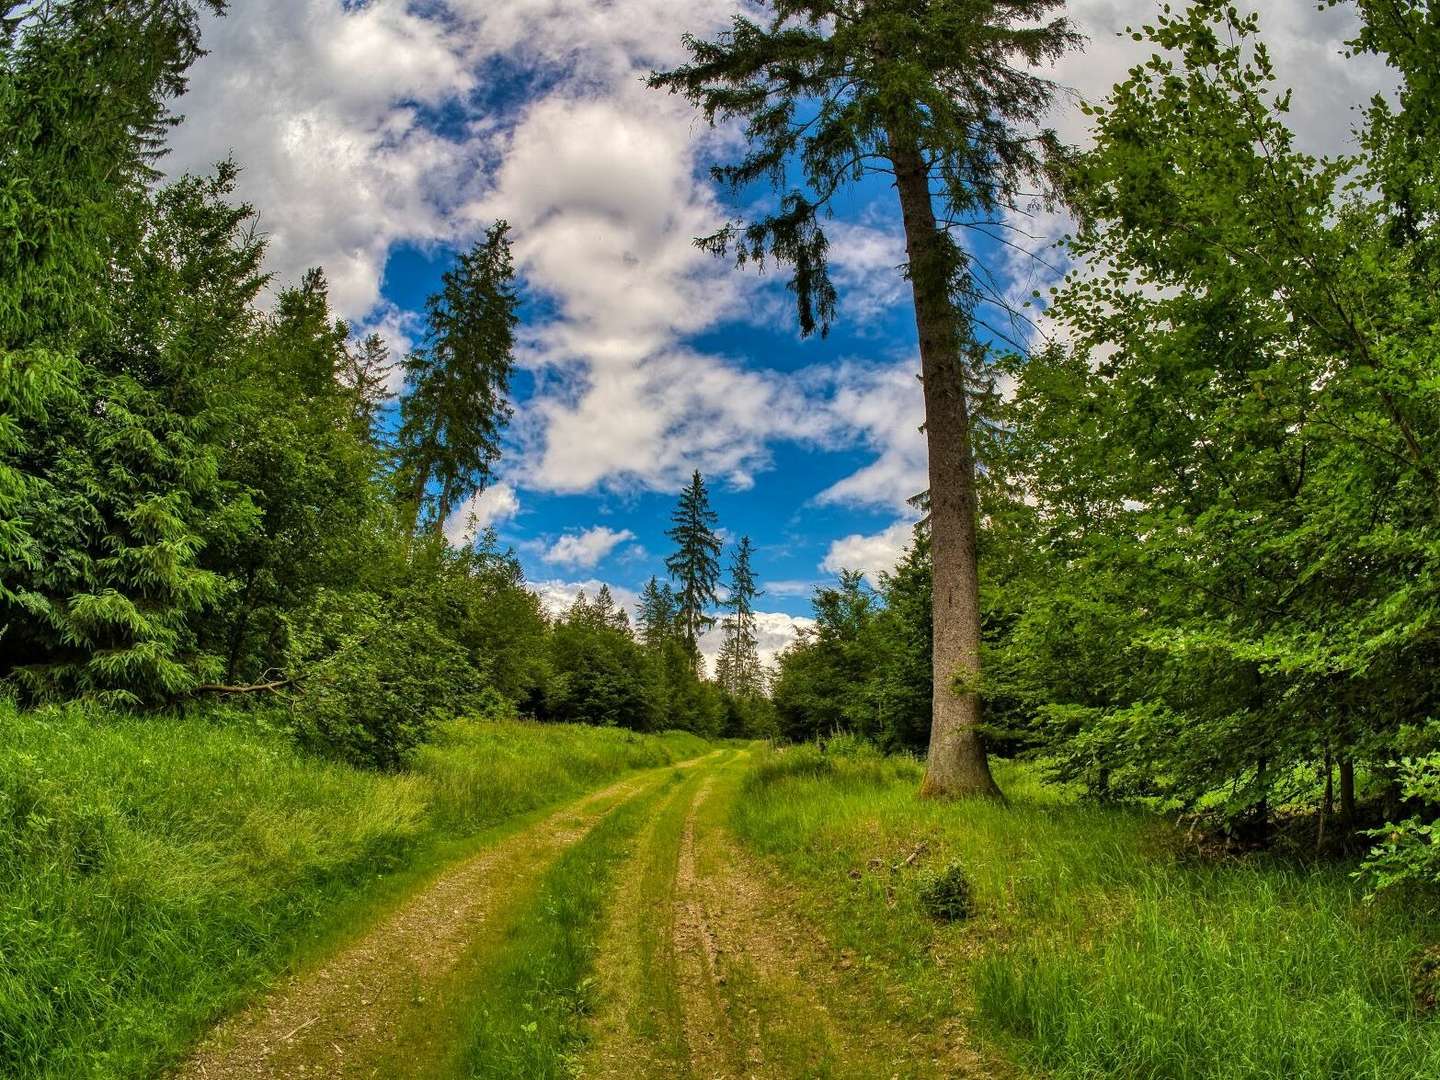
[(1208, 507), (1203, 510), (203, 494)]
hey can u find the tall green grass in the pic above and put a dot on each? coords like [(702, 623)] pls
[(529, 1022), (153, 871), (1101, 948)]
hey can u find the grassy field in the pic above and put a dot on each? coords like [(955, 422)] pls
[(155, 871), (1099, 947)]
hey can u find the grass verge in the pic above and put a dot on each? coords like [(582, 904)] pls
[(541, 987), (154, 872), (637, 1031), (1098, 947)]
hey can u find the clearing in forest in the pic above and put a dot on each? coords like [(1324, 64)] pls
[(708, 970), (699, 967)]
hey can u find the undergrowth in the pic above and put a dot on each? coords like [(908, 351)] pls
[(1098, 945), (154, 870)]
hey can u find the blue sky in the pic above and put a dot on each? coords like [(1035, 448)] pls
[(378, 138)]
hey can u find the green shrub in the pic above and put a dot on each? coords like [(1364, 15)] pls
[(382, 682), (1408, 852), (947, 895)]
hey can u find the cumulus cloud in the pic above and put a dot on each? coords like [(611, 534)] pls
[(584, 550), (595, 44), (323, 106), (871, 554), (605, 199), (604, 182), (881, 406), (557, 595), (867, 264), (774, 630), (495, 504)]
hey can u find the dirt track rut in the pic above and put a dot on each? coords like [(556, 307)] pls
[(356, 1008)]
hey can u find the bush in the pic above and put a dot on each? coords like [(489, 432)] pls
[(383, 684), (1408, 852), (947, 895)]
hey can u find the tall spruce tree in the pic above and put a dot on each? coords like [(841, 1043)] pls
[(936, 94), (737, 668), (106, 482), (457, 382), (695, 566), (364, 372), (656, 614)]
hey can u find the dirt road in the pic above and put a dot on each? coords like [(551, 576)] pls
[(704, 969)]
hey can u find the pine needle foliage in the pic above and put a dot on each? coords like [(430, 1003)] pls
[(737, 667), (456, 406), (695, 564)]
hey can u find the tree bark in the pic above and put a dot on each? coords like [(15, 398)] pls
[(956, 764), (1347, 791), (1327, 804)]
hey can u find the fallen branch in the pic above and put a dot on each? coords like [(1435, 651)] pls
[(253, 688), (909, 860), (302, 1027)]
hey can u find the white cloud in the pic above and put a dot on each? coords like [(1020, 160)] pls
[(605, 199), (557, 595), (329, 107), (322, 105), (774, 630), (495, 504), (867, 266), (881, 407), (873, 554), (584, 550)]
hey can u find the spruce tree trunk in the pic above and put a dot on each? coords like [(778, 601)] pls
[(956, 763), (417, 497), (1347, 791)]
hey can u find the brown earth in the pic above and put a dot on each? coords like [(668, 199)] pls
[(707, 968), (758, 990), (362, 1005)]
